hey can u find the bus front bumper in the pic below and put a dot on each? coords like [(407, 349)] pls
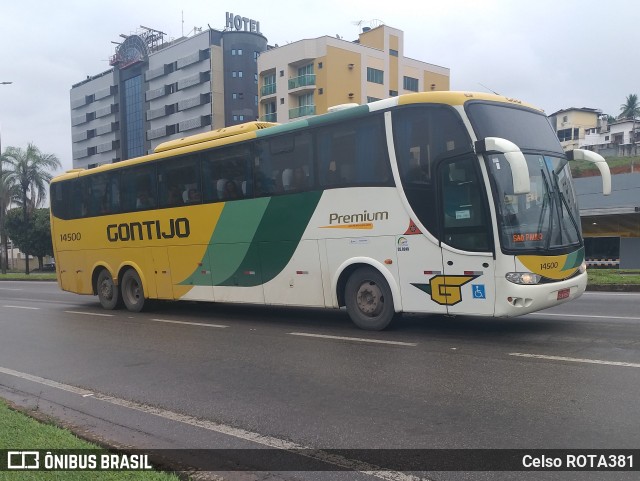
[(515, 299)]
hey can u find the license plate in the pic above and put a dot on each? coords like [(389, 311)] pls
[(563, 294)]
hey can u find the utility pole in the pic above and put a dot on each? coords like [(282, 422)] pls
[(4, 257)]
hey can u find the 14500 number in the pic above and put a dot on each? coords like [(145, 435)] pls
[(71, 237)]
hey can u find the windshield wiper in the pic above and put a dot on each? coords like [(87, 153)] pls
[(566, 204), (551, 203)]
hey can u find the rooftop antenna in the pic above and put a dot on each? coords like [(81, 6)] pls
[(492, 91), (182, 22)]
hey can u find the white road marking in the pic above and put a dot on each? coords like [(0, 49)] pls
[(9, 289), (573, 359), (264, 440), (189, 323), (89, 313), (23, 307), (357, 339), (46, 382), (586, 316)]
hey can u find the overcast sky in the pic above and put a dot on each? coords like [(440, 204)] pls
[(554, 54)]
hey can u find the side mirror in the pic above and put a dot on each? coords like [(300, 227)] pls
[(600, 163), (515, 158)]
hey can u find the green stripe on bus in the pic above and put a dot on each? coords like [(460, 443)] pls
[(276, 239), (574, 259)]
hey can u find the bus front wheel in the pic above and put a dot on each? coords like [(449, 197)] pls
[(369, 300), (108, 292), (132, 291)]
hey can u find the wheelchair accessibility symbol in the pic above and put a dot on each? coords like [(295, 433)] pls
[(478, 291)]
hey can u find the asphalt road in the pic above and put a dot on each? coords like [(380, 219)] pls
[(188, 375)]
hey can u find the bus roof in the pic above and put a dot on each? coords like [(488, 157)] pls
[(251, 130)]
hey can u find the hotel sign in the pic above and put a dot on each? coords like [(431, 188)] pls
[(242, 24)]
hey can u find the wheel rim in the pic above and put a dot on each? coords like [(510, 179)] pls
[(106, 289), (133, 291), (369, 299)]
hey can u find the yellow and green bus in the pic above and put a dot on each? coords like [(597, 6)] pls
[(441, 202)]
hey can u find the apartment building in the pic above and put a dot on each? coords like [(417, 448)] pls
[(307, 77)]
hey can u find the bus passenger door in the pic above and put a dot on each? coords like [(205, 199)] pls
[(162, 272), (467, 285)]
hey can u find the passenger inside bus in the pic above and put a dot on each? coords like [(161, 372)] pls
[(174, 195), (231, 191), (193, 196), (144, 200)]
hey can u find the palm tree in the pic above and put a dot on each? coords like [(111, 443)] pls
[(631, 108), (8, 193), (32, 172)]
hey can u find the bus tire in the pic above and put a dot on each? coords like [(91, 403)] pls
[(132, 291), (108, 291), (369, 300)]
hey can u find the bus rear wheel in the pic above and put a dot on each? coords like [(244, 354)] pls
[(369, 300), (132, 291), (108, 292)]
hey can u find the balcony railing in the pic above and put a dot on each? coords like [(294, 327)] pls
[(302, 81), (269, 89), (269, 117), (302, 111)]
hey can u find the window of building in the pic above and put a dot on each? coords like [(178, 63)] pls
[(393, 93), (320, 91), (319, 65), (411, 84), (393, 53), (372, 99), (134, 115), (565, 135), (374, 75)]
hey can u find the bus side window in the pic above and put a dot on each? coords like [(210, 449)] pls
[(139, 188), (465, 217), (227, 173), (353, 153), (176, 178), (284, 164)]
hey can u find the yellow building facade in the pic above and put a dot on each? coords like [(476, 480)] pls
[(307, 77)]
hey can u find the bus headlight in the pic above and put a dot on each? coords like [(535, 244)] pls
[(583, 267), (523, 277)]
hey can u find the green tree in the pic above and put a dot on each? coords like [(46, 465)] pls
[(631, 108), (32, 171), (8, 194), (34, 237)]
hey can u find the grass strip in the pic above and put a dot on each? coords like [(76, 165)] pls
[(613, 276), (20, 432)]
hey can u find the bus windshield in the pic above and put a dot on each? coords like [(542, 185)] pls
[(547, 217)]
